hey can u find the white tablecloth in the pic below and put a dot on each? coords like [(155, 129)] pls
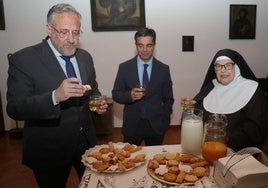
[(135, 178)]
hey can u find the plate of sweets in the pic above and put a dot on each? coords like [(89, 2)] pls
[(178, 168), (114, 157)]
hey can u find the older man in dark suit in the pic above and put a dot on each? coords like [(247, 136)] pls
[(52, 101), (146, 117)]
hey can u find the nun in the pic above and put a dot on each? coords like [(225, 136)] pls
[(230, 88)]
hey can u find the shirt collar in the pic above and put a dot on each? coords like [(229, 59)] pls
[(141, 62), (55, 51)]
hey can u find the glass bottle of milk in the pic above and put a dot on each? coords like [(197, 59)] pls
[(192, 131)]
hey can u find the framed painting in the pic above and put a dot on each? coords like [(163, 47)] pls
[(117, 15), (242, 21), (2, 16), (187, 43)]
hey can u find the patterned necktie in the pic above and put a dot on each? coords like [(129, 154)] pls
[(69, 67), (145, 78)]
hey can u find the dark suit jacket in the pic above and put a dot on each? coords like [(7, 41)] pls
[(157, 102), (50, 132)]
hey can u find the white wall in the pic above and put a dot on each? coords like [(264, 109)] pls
[(207, 20)]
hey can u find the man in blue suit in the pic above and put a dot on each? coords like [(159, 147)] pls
[(54, 104), (146, 117)]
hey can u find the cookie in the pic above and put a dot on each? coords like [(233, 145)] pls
[(161, 170), (180, 177), (169, 177), (172, 162), (128, 164), (201, 163), (104, 150), (153, 164), (199, 171), (96, 155), (170, 156), (159, 157), (128, 147), (174, 170), (185, 158), (190, 178), (100, 166), (139, 158)]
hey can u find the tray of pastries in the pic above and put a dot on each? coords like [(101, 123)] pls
[(114, 157), (178, 168)]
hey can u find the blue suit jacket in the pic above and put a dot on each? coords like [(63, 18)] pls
[(157, 102), (50, 132)]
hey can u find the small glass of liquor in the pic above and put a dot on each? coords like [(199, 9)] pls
[(95, 103), (142, 88)]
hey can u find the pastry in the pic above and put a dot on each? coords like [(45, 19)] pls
[(159, 157), (174, 170), (128, 164), (128, 147), (191, 178), (100, 166), (169, 177), (96, 154), (180, 177), (172, 162), (111, 146), (201, 163), (139, 158), (87, 87), (161, 170), (170, 156), (153, 164), (199, 171), (104, 150)]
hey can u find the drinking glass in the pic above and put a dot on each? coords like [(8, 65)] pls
[(95, 103), (143, 88), (214, 142), (192, 131)]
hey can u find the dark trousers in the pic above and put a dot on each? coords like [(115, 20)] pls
[(57, 177), (144, 133)]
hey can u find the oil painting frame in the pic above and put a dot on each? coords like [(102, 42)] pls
[(117, 15), (2, 16), (242, 21), (187, 43)]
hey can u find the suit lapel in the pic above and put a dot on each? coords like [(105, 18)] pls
[(154, 74), (51, 63), (134, 70), (81, 66)]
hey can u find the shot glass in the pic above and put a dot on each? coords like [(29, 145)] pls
[(143, 88)]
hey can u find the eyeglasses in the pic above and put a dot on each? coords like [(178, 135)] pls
[(64, 33), (227, 66)]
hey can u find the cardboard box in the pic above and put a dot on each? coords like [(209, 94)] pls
[(247, 173)]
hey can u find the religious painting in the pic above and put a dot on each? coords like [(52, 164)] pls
[(187, 43), (117, 15), (2, 16), (242, 21)]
